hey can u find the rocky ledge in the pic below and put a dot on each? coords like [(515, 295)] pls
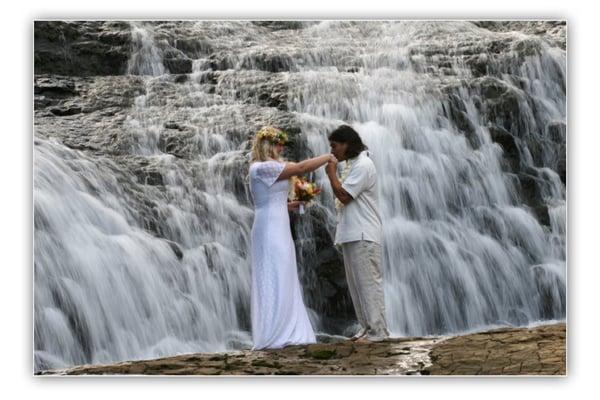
[(508, 351)]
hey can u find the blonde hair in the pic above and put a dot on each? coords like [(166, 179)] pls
[(263, 146)]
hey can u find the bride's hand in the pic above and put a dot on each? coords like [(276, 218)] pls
[(294, 205)]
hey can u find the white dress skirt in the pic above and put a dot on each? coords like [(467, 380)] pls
[(279, 317)]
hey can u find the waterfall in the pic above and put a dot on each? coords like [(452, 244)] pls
[(460, 250), (141, 250), (146, 58), (106, 289)]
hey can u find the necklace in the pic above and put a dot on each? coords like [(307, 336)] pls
[(338, 203)]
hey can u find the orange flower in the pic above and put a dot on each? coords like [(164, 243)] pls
[(304, 190)]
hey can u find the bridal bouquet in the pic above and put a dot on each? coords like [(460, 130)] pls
[(304, 191)]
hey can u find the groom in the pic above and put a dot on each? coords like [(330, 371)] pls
[(359, 230)]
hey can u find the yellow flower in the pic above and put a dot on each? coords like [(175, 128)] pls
[(272, 134)]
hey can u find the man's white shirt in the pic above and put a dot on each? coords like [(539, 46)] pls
[(360, 219)]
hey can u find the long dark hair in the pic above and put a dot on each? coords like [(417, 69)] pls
[(346, 134)]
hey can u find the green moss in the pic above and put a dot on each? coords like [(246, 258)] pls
[(265, 363), (322, 354)]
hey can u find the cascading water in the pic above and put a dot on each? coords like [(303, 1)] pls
[(143, 252), (460, 250), (105, 289)]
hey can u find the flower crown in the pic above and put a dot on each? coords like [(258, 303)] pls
[(273, 135)]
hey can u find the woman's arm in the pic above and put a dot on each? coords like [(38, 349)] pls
[(303, 167)]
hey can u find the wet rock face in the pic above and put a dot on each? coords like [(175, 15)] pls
[(81, 48), (553, 30), (85, 112), (536, 351), (509, 107)]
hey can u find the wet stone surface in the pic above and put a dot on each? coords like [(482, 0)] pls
[(521, 351)]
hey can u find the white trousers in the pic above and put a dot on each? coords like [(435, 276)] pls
[(362, 261)]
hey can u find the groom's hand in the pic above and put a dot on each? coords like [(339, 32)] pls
[(293, 205), (331, 167)]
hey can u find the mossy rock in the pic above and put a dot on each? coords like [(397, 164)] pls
[(265, 363), (322, 354)]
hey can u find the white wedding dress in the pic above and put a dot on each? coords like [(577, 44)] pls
[(279, 316)]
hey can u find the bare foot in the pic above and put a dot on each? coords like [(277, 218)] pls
[(358, 336)]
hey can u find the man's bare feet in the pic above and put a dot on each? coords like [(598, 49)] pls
[(359, 335), (363, 340)]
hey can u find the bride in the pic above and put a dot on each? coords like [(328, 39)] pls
[(278, 314)]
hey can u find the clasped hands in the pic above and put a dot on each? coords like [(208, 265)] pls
[(331, 167)]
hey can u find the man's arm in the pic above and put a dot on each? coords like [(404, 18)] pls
[(336, 185)]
